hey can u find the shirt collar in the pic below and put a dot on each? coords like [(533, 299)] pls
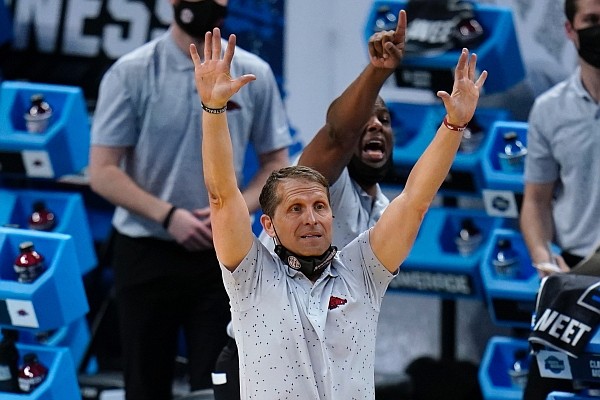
[(328, 271), (577, 85), (181, 61)]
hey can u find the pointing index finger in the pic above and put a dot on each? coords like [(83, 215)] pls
[(400, 33)]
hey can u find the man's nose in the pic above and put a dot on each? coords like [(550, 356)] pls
[(310, 217), (374, 124)]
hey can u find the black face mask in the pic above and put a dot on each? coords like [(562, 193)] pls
[(589, 45), (198, 17), (310, 266), (364, 174)]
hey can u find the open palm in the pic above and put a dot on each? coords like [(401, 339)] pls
[(214, 84)]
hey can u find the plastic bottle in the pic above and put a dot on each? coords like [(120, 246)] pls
[(520, 368), (512, 158), (29, 264), (9, 362), (41, 219), (32, 373), (468, 238), (385, 19), (506, 261), (38, 116)]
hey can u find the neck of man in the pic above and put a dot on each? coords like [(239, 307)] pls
[(183, 40), (590, 78)]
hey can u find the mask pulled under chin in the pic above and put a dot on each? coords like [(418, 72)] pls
[(310, 266), (198, 17), (364, 174), (589, 45)]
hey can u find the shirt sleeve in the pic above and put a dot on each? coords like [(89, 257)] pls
[(115, 122), (363, 266), (540, 165), (248, 284)]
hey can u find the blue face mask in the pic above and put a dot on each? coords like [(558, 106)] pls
[(589, 45), (198, 17)]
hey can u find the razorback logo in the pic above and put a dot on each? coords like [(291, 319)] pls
[(335, 302)]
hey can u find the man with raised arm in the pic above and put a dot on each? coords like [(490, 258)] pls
[(305, 316)]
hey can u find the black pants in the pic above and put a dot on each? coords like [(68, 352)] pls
[(228, 364), (539, 388), (162, 289)]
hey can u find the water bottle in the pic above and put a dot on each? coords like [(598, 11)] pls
[(385, 19), (506, 261), (41, 219), (32, 373), (469, 237), (29, 264), (38, 116), (9, 362), (512, 158), (520, 369), (471, 140)]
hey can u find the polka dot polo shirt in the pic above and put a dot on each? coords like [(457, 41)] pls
[(299, 340)]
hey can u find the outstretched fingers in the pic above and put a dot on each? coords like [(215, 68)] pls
[(228, 56), (216, 45), (481, 80), (195, 55), (462, 66)]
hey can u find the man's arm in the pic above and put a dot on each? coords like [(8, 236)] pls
[(267, 163), (109, 181), (330, 151), (232, 233), (402, 218), (537, 225)]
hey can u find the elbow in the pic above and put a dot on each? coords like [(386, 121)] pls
[(94, 179)]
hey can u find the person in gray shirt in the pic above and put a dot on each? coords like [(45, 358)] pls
[(305, 316), (353, 150)]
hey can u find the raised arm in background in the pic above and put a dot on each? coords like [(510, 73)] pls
[(330, 151), (402, 218)]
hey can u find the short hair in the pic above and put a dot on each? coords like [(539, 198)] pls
[(570, 9), (269, 196)]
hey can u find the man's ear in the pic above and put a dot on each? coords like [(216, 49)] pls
[(267, 224)]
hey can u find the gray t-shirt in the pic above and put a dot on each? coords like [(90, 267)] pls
[(148, 102), (299, 340), (563, 142)]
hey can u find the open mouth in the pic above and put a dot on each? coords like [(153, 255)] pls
[(311, 236), (374, 150)]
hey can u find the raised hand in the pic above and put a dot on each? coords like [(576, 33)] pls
[(461, 104), (214, 84), (386, 48)]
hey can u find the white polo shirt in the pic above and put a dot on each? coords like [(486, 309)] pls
[(299, 340)]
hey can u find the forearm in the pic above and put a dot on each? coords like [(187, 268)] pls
[(268, 163), (349, 112), (432, 168), (537, 229), (217, 157), (114, 185)]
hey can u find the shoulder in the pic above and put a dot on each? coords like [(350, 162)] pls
[(551, 97), (139, 57)]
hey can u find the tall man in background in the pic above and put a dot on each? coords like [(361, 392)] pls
[(145, 160)]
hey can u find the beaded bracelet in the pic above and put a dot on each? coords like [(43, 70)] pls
[(457, 128), (214, 110)]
